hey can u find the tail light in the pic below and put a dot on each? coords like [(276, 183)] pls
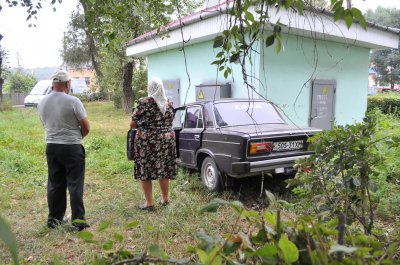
[(260, 148)]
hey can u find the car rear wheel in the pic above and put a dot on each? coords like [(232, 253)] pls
[(210, 175)]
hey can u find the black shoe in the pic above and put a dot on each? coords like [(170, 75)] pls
[(80, 225), (146, 208), (53, 223)]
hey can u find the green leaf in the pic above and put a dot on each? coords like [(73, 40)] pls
[(393, 249), (156, 251), (268, 250), (341, 248), (338, 14), (207, 257), (271, 218), (300, 7), (220, 54), (86, 236), (249, 16), (289, 250), (218, 41), (118, 237), (230, 247), (103, 226), (226, 74), (133, 224), (216, 62), (270, 40), (359, 16), (349, 20), (8, 237), (108, 245), (337, 5), (234, 57)]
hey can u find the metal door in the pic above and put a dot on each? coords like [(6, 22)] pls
[(323, 104), (190, 135), (172, 88)]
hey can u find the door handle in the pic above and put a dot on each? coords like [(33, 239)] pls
[(196, 136)]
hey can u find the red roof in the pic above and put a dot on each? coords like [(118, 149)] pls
[(183, 21)]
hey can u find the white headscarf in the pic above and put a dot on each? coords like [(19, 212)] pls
[(156, 90)]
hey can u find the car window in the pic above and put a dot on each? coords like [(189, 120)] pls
[(41, 87), (245, 113), (194, 117), (178, 119), (209, 121)]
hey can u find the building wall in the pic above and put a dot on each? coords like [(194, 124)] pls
[(289, 73), (86, 73), (171, 65)]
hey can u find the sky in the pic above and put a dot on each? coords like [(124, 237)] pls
[(39, 47)]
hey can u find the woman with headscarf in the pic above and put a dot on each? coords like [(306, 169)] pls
[(155, 148)]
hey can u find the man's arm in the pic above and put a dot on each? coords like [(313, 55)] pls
[(85, 126)]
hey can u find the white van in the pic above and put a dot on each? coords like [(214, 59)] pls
[(42, 88)]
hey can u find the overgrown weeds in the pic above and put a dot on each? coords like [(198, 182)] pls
[(232, 235)]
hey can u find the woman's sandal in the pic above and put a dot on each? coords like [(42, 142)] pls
[(146, 208), (163, 203)]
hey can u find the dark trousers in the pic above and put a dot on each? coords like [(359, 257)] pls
[(66, 169)]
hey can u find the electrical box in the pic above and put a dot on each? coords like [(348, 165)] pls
[(211, 92)]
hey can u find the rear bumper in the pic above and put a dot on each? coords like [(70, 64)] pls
[(243, 168), (30, 104)]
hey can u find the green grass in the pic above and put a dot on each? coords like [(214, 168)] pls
[(111, 194)]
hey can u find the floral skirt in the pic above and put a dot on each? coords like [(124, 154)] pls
[(155, 154)]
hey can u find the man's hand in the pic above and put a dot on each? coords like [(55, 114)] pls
[(85, 126)]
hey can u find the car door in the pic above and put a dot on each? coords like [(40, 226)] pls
[(190, 135)]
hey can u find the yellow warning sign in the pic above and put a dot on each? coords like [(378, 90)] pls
[(201, 95), (169, 85), (324, 90)]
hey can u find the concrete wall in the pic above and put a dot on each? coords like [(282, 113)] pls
[(171, 65), (288, 77), (283, 78)]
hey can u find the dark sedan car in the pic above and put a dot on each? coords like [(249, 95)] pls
[(235, 138)]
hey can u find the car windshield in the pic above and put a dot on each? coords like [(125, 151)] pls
[(41, 87), (245, 113)]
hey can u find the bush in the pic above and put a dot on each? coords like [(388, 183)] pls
[(20, 82), (5, 105), (387, 103)]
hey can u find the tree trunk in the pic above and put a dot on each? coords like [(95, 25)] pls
[(127, 90), (1, 92), (91, 43)]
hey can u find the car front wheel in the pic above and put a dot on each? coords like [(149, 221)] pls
[(210, 175)]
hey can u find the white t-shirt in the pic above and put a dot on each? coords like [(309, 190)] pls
[(60, 114)]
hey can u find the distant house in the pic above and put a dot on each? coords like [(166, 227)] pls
[(87, 73), (372, 77), (320, 77)]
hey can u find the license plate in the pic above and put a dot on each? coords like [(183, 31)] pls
[(287, 146)]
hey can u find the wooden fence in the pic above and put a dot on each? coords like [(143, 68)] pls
[(16, 98)]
